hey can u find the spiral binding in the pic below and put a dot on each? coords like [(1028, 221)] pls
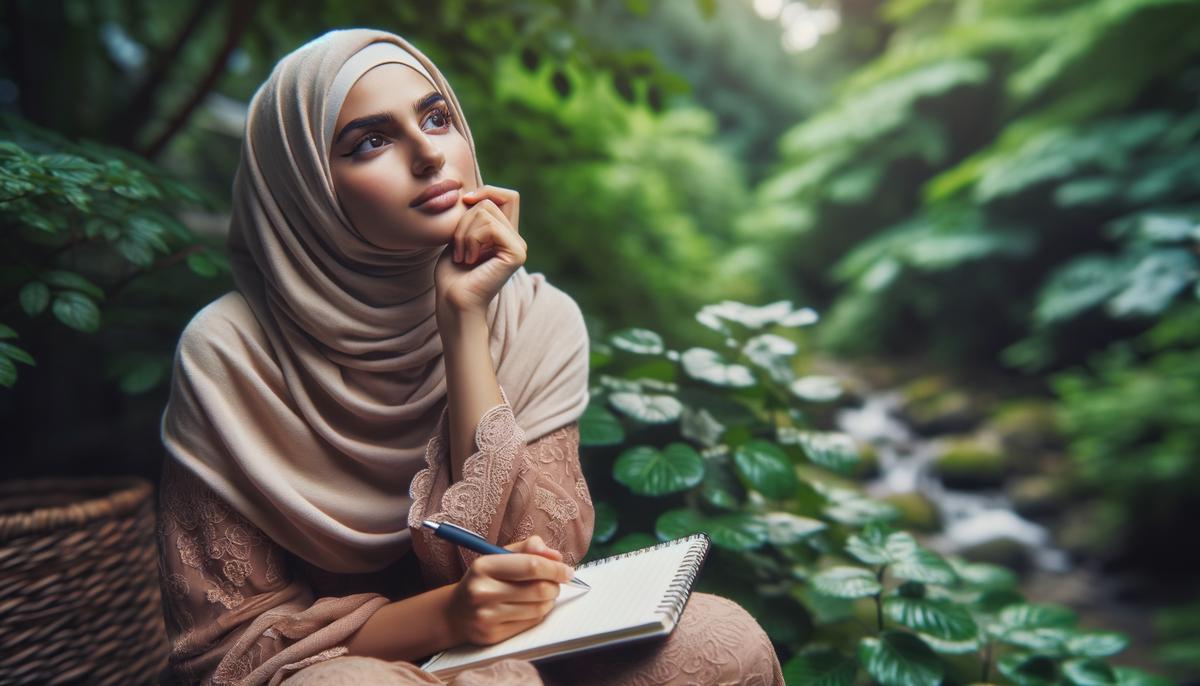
[(671, 606)]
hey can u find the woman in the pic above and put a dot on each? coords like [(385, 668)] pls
[(384, 359)]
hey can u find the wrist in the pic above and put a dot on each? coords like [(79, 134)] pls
[(456, 324)]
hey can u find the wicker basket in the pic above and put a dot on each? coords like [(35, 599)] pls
[(79, 593)]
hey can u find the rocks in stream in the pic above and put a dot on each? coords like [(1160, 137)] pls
[(931, 405), (971, 462)]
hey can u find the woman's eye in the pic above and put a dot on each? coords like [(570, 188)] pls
[(372, 137), (442, 115)]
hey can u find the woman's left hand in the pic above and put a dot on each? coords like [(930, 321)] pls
[(485, 251)]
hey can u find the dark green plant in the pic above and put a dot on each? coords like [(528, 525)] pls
[(82, 222), (727, 441)]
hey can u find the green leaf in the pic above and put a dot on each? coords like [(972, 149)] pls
[(34, 297), (77, 311), (1088, 673), (1028, 670), (638, 341), (785, 528), (847, 506), (720, 488), (764, 467), (700, 426), (820, 667), (900, 659), (846, 582), (830, 449), (1096, 643), (817, 388), (983, 575), (708, 365), (1035, 615), (940, 619), (598, 427), (201, 264), (13, 352), (734, 531), (606, 522), (61, 278), (8, 372), (7, 331), (647, 471), (870, 545), (900, 551), (647, 408), (1128, 676)]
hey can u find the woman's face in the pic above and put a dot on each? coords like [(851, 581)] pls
[(391, 143)]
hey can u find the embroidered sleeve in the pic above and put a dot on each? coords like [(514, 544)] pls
[(234, 612), (509, 491)]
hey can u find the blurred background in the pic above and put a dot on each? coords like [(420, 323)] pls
[(899, 301)]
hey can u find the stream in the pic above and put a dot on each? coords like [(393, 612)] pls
[(969, 518)]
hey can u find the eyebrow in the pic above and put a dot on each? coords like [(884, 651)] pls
[(381, 118)]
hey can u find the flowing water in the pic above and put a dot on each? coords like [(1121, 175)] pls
[(969, 518)]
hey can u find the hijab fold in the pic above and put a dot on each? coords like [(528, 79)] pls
[(305, 398)]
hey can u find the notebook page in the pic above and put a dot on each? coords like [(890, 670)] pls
[(626, 592)]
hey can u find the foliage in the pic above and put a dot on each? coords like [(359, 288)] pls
[(723, 444), (85, 220)]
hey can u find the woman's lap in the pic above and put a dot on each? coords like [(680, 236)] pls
[(715, 642)]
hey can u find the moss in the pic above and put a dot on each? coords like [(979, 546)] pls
[(971, 463), (916, 511)]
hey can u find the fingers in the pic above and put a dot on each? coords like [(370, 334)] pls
[(484, 232), (523, 567), (508, 200)]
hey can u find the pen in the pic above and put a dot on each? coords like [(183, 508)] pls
[(473, 541)]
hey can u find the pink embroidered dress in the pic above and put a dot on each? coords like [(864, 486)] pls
[(242, 610)]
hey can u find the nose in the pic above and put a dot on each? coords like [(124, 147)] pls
[(428, 158)]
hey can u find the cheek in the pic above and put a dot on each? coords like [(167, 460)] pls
[(370, 194)]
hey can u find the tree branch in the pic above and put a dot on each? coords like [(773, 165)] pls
[(239, 20)]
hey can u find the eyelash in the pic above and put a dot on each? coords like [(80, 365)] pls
[(445, 112)]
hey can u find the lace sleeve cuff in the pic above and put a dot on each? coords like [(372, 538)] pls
[(473, 501)]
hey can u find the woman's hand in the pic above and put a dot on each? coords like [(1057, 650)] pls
[(503, 595), (486, 249)]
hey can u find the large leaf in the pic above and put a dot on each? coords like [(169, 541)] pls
[(709, 365), (785, 528), (598, 426), (648, 471), (940, 619), (766, 468), (720, 488), (905, 559), (846, 582), (605, 523), (817, 388), (1028, 670), (77, 311), (848, 506), (820, 667), (1085, 672), (734, 531), (1096, 643), (830, 449), (647, 408), (900, 659), (638, 341)]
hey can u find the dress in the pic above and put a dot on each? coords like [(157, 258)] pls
[(242, 610)]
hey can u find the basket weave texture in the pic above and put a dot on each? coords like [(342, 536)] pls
[(79, 593)]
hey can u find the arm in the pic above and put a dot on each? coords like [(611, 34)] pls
[(470, 379), (234, 611)]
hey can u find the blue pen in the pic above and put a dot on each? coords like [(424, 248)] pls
[(473, 541)]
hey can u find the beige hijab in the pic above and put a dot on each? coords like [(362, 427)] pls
[(307, 397)]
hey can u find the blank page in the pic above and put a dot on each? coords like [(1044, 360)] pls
[(627, 591)]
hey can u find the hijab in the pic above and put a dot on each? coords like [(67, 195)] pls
[(307, 396)]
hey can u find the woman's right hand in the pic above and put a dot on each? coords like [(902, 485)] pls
[(503, 595)]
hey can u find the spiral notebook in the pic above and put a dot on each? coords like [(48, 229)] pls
[(635, 596)]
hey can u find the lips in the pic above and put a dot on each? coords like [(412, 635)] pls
[(437, 189)]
